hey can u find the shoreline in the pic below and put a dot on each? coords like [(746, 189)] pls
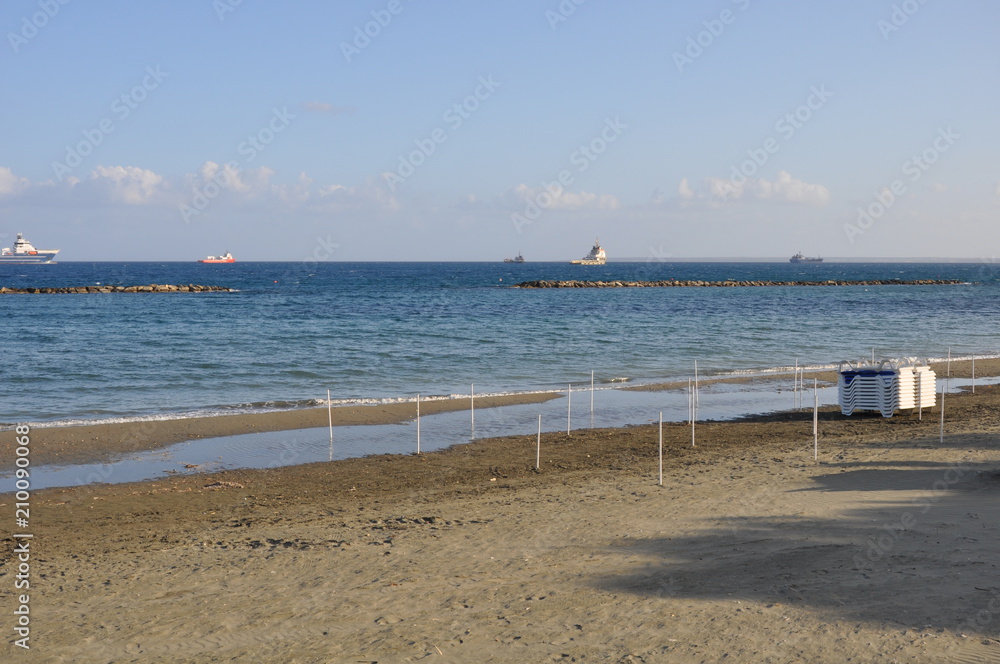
[(985, 368), (102, 442), (749, 550), (95, 443)]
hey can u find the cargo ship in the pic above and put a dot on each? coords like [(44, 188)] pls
[(799, 258), (23, 252), (595, 257), (226, 258)]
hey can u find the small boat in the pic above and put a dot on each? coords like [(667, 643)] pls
[(595, 257), (517, 259), (799, 258), (23, 252), (226, 258)]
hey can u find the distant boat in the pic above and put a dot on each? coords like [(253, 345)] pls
[(595, 257), (227, 258), (799, 258), (23, 252), (517, 259)]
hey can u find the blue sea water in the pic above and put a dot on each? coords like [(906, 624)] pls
[(374, 331)]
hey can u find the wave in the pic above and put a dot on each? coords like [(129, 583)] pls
[(278, 405), (768, 371), (262, 407)]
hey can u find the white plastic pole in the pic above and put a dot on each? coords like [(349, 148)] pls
[(690, 404), (795, 386), (472, 408), (920, 398), (538, 444), (418, 424), (661, 448), (815, 419), (697, 401), (948, 375), (591, 398), (873, 357), (329, 413), (693, 412), (942, 413), (802, 385), (569, 407)]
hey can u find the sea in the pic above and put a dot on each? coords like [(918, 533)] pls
[(372, 332), (385, 332)]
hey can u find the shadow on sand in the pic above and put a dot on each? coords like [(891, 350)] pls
[(902, 544)]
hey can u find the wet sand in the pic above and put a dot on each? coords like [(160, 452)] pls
[(95, 443), (884, 550)]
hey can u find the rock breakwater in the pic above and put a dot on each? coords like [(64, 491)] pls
[(151, 288), (691, 283)]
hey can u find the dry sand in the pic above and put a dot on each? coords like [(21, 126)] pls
[(884, 551)]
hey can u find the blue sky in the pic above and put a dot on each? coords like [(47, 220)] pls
[(472, 131)]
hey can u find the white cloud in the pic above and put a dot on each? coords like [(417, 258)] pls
[(219, 184), (250, 182), (125, 184), (558, 199), (684, 190), (372, 193), (784, 188), (11, 184)]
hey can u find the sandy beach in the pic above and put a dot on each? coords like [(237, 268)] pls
[(883, 550)]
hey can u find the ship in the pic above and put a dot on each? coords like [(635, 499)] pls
[(23, 252), (225, 258), (799, 258), (517, 259), (595, 257)]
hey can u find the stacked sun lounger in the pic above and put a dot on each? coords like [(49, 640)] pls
[(917, 387), (889, 386), (869, 389)]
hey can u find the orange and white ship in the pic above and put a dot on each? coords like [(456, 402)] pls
[(225, 258)]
